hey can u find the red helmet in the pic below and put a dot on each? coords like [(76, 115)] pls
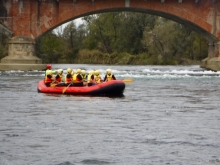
[(49, 66)]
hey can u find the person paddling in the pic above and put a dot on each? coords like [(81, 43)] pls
[(59, 78), (49, 79), (109, 76), (49, 68), (78, 80), (91, 78), (84, 75), (98, 78), (68, 77)]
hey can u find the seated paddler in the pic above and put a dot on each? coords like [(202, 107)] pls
[(98, 78), (91, 78), (109, 76), (59, 78), (77, 79), (49, 79), (68, 77), (49, 68)]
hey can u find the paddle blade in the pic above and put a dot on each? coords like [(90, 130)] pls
[(53, 85), (127, 80), (64, 90)]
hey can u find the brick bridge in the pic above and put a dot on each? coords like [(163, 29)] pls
[(26, 20)]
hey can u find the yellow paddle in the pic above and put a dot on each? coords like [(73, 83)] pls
[(64, 90), (127, 80), (53, 85)]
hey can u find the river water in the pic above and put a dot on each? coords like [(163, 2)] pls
[(168, 115)]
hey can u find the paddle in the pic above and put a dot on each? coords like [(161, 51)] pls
[(58, 85), (127, 80), (53, 85), (64, 90)]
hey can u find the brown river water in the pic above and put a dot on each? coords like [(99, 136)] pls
[(169, 115)]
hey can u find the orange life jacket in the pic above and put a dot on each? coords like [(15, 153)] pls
[(68, 80), (58, 78), (48, 79)]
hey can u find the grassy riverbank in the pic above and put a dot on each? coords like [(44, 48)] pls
[(97, 57)]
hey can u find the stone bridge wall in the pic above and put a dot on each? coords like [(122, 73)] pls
[(32, 18)]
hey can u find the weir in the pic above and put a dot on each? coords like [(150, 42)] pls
[(26, 20)]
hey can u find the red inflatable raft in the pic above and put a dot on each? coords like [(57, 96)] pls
[(114, 87)]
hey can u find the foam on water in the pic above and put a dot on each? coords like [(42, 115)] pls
[(168, 115), (141, 72)]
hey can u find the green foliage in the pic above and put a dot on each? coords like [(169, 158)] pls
[(3, 46), (123, 38), (172, 42), (50, 48), (3, 51)]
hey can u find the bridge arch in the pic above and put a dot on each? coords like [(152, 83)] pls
[(200, 30), (201, 16), (33, 18)]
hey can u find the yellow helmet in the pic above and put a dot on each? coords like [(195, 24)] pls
[(83, 72), (108, 71), (97, 72), (60, 71), (78, 71), (69, 70), (91, 72), (49, 72)]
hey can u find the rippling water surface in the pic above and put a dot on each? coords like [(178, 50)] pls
[(168, 115)]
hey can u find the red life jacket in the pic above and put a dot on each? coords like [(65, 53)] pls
[(68, 80), (58, 79), (48, 79), (78, 78)]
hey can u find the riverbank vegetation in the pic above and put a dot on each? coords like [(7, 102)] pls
[(3, 45), (123, 38)]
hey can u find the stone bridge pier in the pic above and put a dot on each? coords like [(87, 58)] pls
[(21, 55), (212, 62)]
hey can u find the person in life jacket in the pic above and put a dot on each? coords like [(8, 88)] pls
[(109, 76), (98, 78), (84, 77), (49, 79), (74, 74), (91, 78), (77, 78), (68, 77), (49, 68), (59, 78)]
